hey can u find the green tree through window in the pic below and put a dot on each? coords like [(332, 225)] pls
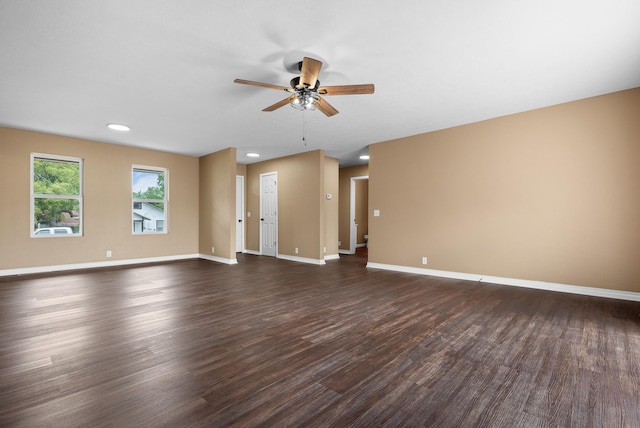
[(152, 192), (57, 192)]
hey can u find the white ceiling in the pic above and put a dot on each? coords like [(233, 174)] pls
[(166, 68)]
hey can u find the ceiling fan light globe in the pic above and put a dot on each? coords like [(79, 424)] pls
[(297, 104)]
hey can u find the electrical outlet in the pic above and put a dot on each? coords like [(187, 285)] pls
[(424, 260), (213, 250), (108, 253), (339, 243), (296, 250), (325, 249)]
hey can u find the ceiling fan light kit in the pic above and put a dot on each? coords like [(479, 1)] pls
[(305, 89), (304, 101)]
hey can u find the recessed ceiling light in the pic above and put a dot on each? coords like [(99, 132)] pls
[(364, 157), (253, 155), (118, 127)]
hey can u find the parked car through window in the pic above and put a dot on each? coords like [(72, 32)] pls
[(54, 231)]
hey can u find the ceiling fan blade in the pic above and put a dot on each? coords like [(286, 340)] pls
[(279, 104), (325, 107), (309, 71), (263, 85), (347, 89)]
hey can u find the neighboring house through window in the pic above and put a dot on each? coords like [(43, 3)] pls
[(150, 199), (56, 195)]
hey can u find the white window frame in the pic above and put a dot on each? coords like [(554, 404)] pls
[(34, 196), (164, 201)]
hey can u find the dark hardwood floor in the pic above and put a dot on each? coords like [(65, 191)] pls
[(275, 343)]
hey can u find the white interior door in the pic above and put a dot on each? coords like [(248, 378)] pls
[(269, 214), (239, 213)]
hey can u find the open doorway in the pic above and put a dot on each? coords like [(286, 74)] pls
[(359, 220)]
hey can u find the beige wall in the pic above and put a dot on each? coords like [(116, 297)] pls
[(218, 204), (550, 195), (107, 203), (300, 204), (344, 206), (331, 173)]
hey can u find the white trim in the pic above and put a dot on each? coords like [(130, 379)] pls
[(344, 252), (300, 259), (539, 285), (254, 252), (90, 265), (332, 257), (361, 245), (218, 259)]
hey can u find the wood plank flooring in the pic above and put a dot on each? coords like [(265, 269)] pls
[(276, 343)]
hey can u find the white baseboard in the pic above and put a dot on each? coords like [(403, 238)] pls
[(539, 285), (89, 265), (332, 257), (254, 252), (361, 245), (300, 259), (344, 252), (219, 259)]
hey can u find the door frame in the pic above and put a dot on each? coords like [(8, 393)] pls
[(275, 174), (242, 219), (353, 229)]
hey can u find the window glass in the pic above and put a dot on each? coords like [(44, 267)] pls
[(149, 198), (56, 195)]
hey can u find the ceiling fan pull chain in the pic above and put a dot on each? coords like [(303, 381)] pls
[(304, 128)]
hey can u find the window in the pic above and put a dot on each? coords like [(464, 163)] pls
[(56, 195), (150, 197)]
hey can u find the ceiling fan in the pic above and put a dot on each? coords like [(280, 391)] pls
[(305, 89)]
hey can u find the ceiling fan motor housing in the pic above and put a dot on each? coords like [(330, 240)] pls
[(295, 84)]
